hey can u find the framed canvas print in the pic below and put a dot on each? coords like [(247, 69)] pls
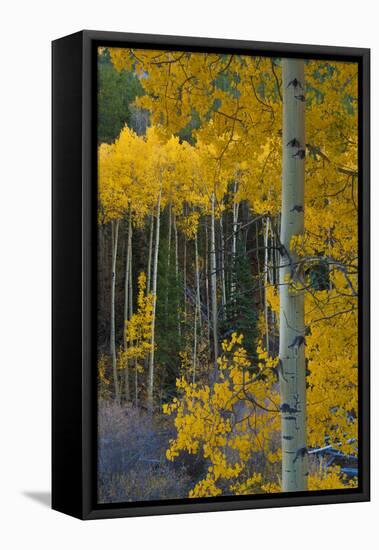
[(210, 274)]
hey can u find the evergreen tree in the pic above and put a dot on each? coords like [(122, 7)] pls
[(168, 304), (241, 310), (116, 92)]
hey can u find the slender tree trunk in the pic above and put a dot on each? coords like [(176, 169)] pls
[(194, 355), (277, 254), (168, 260), (214, 283), (185, 276), (148, 283), (131, 276), (126, 304), (207, 283), (150, 387), (222, 268), (258, 262), (292, 331), (234, 245), (197, 310), (136, 384), (270, 252), (198, 300), (177, 273), (115, 226), (265, 229)]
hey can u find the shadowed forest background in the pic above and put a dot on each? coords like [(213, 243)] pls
[(227, 275)]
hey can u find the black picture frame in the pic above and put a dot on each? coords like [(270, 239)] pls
[(74, 275)]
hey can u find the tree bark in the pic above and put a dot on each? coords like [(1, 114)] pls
[(292, 330), (234, 246), (198, 300), (177, 273), (126, 304), (266, 280), (115, 226), (214, 282), (150, 388), (185, 277), (131, 277), (207, 282), (258, 262), (136, 385), (194, 355), (150, 254), (168, 259), (222, 268)]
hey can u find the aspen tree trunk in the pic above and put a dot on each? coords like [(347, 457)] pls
[(207, 283), (176, 249), (292, 332), (185, 276), (131, 279), (177, 273), (258, 262), (197, 311), (198, 300), (168, 258), (150, 387), (115, 226), (266, 279), (234, 244), (150, 255), (136, 385), (148, 283), (222, 267), (214, 282), (194, 347), (126, 304), (277, 253)]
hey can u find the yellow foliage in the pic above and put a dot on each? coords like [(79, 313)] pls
[(138, 328), (226, 422), (330, 478)]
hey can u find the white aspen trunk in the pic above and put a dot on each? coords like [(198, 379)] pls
[(177, 271), (234, 244), (115, 226), (197, 311), (198, 300), (185, 276), (136, 385), (176, 249), (258, 262), (292, 331), (266, 271), (168, 257), (131, 277), (148, 283), (150, 387), (126, 304), (270, 252), (214, 282), (194, 358), (222, 268), (207, 283)]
